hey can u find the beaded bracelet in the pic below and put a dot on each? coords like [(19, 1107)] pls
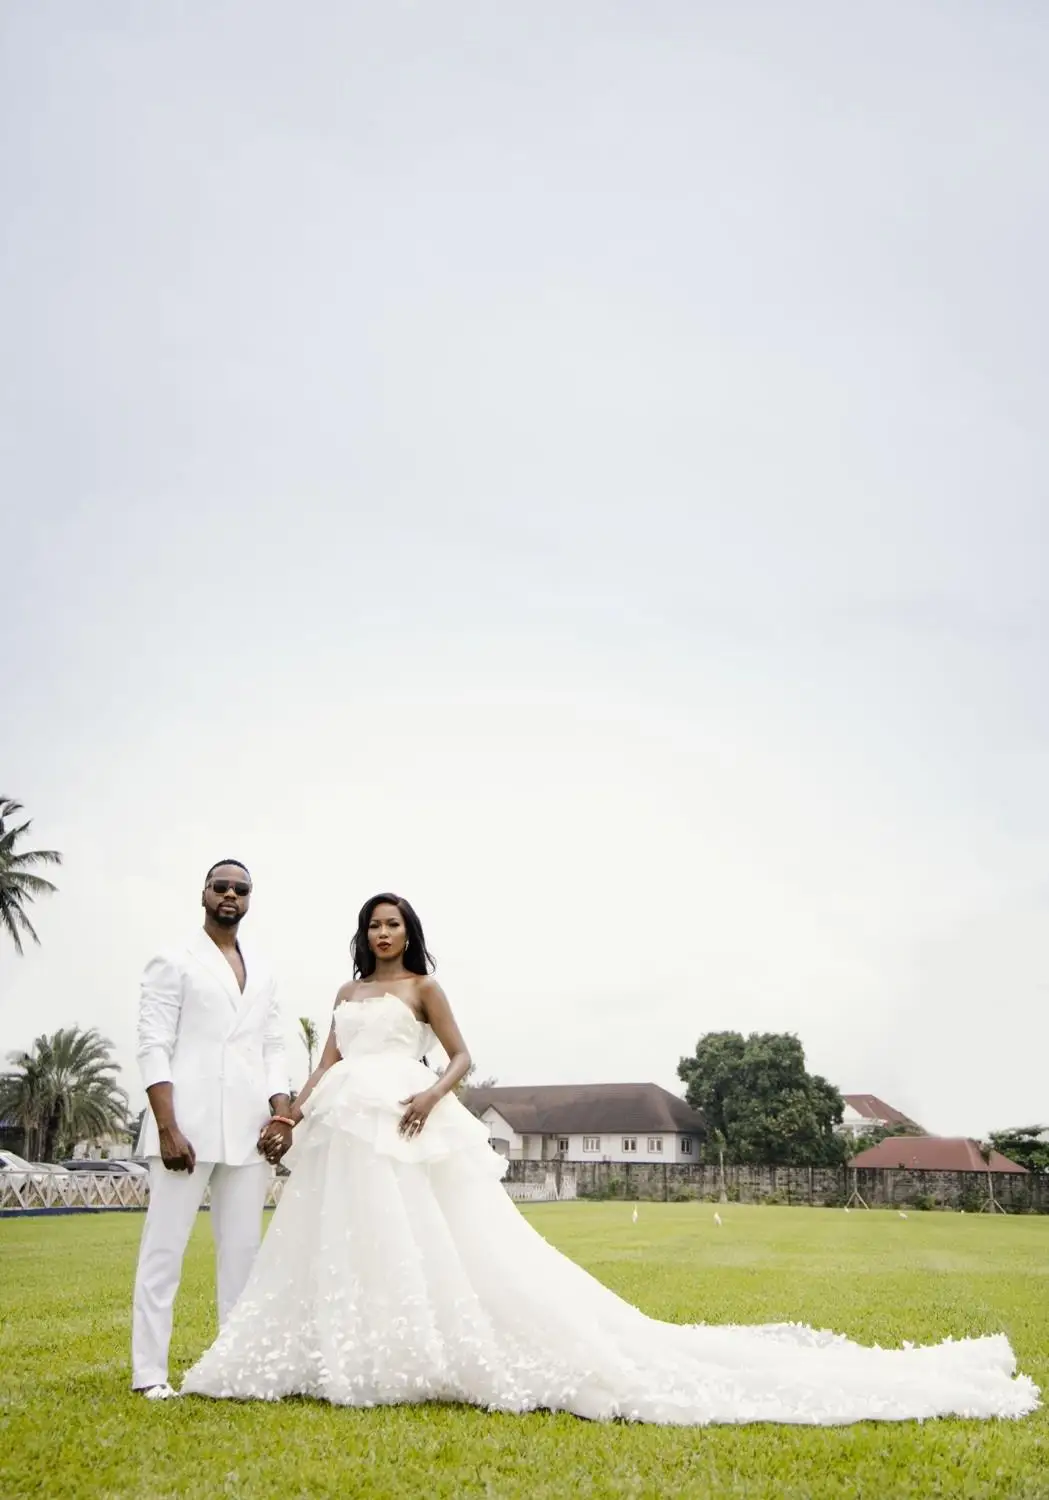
[(282, 1120)]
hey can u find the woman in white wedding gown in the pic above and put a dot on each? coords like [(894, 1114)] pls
[(397, 1269)]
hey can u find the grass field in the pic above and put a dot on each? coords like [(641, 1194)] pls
[(70, 1427)]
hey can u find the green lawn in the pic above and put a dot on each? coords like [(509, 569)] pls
[(69, 1426)]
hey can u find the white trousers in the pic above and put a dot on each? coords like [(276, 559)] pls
[(237, 1198)]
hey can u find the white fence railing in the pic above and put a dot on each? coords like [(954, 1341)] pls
[(33, 1191), (546, 1191), (26, 1191)]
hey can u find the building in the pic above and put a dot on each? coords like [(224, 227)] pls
[(116, 1147), (617, 1122), (866, 1112), (932, 1153)]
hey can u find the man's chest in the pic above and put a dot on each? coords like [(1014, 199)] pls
[(240, 973)]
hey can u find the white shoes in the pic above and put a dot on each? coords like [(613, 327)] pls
[(163, 1392)]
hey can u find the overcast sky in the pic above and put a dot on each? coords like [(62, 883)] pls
[(581, 466)]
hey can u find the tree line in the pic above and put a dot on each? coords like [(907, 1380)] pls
[(764, 1108)]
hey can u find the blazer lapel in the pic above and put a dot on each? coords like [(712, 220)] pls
[(218, 965)]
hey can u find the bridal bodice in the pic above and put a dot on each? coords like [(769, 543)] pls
[(381, 1024)]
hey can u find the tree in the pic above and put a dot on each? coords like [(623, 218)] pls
[(18, 885), (759, 1099), (1027, 1145), (879, 1133), (64, 1090), (309, 1038)]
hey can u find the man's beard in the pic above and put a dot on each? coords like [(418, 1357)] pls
[(226, 918)]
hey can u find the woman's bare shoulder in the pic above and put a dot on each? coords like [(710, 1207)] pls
[(428, 991), (345, 992)]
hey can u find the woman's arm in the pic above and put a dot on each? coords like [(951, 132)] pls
[(438, 1016), (275, 1138), (329, 1057)]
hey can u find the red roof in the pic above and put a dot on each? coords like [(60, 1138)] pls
[(933, 1153), (873, 1108)]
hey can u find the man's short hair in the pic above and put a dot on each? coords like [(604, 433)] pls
[(220, 862)]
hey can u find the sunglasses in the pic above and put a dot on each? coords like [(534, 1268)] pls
[(238, 887)]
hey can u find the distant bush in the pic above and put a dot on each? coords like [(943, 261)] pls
[(615, 1187)]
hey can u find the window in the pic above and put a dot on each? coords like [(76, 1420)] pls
[(655, 1143), (591, 1143), (686, 1145), (629, 1143), (562, 1145)]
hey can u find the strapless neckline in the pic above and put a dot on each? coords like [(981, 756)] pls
[(386, 995)]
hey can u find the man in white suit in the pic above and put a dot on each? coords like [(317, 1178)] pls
[(211, 1053)]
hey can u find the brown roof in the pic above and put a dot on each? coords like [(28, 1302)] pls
[(873, 1108), (582, 1108), (933, 1153)]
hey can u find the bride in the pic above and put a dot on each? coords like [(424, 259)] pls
[(397, 1268)]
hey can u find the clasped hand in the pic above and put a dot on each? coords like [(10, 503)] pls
[(274, 1141), (417, 1113)]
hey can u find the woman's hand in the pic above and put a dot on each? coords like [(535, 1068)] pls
[(417, 1113)]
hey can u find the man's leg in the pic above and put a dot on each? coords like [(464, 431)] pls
[(174, 1198), (237, 1198)]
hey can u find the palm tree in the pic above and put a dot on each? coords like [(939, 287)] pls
[(309, 1038), (18, 885), (63, 1090)]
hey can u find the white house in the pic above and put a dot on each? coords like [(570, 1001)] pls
[(618, 1122), (866, 1112)]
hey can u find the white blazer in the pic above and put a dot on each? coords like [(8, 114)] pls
[(222, 1050)]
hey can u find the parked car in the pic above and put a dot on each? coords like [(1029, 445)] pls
[(135, 1168), (39, 1171), (108, 1167)]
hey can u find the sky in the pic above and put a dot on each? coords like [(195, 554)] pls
[(580, 467)]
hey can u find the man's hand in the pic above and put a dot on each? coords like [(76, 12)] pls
[(274, 1141), (176, 1152)]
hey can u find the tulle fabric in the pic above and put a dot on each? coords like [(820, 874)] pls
[(398, 1271)]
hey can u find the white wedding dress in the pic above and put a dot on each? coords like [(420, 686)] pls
[(400, 1271)]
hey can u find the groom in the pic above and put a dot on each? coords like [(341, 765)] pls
[(211, 1053)]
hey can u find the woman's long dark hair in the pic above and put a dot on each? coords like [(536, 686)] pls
[(416, 958)]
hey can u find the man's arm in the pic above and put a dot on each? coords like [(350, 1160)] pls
[(159, 1008)]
